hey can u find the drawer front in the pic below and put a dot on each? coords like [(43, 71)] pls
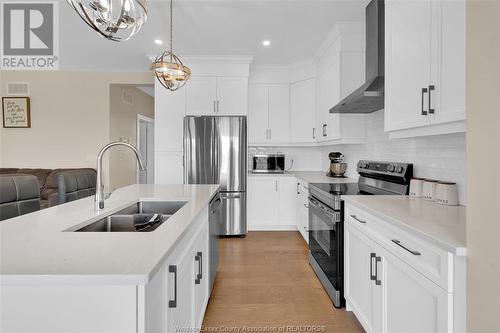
[(432, 262)]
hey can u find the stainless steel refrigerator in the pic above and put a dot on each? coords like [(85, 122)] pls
[(215, 152)]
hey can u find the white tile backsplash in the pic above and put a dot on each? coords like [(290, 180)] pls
[(437, 157)]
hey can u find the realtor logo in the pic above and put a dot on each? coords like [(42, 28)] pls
[(30, 36)]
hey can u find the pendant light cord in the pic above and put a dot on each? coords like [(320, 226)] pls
[(171, 29)]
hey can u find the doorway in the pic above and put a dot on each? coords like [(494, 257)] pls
[(145, 145)]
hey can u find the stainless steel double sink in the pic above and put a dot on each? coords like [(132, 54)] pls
[(126, 219)]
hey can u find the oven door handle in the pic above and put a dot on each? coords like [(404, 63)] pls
[(322, 208)]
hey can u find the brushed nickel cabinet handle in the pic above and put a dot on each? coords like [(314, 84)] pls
[(357, 219), (424, 91), (377, 260), (431, 89), (398, 243), (372, 276), (173, 303)]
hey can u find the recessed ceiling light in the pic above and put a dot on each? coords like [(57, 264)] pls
[(266, 42), (158, 41)]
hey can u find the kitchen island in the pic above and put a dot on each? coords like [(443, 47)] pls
[(53, 279)]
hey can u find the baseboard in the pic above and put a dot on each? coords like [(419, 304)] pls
[(275, 227)]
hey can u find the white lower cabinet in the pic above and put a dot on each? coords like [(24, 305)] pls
[(362, 292), (413, 303), (302, 209), (390, 294), (174, 299), (271, 202)]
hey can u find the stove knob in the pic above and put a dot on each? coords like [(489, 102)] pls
[(399, 169), (390, 168)]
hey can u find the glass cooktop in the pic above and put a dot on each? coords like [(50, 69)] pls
[(339, 189)]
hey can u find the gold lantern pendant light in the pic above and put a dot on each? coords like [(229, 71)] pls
[(168, 68)]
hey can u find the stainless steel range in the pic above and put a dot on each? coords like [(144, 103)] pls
[(326, 217)]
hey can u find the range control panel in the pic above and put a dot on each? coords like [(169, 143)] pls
[(395, 169)]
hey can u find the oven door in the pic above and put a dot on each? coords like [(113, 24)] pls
[(326, 246)]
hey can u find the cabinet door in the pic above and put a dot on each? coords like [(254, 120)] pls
[(287, 188), (448, 61), (333, 97), (232, 95), (262, 202), (303, 111), (279, 114), (361, 292), (258, 114), (181, 313), (201, 259), (302, 210), (407, 62), (170, 108), (413, 303), (323, 107), (201, 95)]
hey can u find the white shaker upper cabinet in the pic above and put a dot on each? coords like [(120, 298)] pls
[(279, 114), (448, 72), (201, 95), (232, 96), (210, 95), (407, 63), (303, 111), (424, 67), (269, 114), (258, 114)]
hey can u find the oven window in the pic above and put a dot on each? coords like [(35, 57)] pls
[(326, 242)]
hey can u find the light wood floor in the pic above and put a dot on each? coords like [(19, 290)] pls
[(265, 280)]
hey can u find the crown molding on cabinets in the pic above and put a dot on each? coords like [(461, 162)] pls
[(340, 29), (279, 74)]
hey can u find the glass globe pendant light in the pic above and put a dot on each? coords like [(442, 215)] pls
[(168, 68), (117, 20)]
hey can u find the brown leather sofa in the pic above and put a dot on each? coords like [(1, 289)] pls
[(73, 183)]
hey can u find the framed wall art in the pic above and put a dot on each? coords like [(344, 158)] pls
[(16, 112)]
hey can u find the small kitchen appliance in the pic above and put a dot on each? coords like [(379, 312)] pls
[(326, 217), (337, 165), (268, 163)]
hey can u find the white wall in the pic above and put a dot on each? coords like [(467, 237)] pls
[(437, 157), (483, 166), (123, 127), (70, 117)]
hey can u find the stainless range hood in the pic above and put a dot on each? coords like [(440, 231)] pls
[(370, 96)]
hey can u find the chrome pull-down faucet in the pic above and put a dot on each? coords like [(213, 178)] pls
[(99, 189)]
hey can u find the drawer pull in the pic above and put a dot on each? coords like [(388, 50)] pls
[(360, 221), (398, 243), (372, 276)]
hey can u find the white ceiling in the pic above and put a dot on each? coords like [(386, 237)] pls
[(210, 27)]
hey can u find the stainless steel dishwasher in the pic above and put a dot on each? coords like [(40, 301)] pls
[(215, 221)]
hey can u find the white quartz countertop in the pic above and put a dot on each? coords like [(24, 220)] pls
[(36, 249), (307, 176), (443, 226)]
